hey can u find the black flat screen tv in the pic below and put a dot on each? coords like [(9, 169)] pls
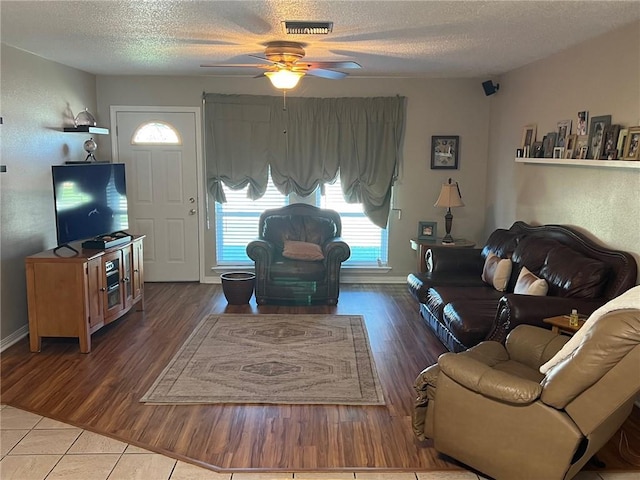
[(90, 200)]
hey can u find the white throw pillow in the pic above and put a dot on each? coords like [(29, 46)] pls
[(529, 284), (496, 271)]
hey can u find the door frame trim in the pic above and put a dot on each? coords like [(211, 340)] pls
[(200, 187)]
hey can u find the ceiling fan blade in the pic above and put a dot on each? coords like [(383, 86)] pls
[(330, 74), (345, 64), (234, 65)]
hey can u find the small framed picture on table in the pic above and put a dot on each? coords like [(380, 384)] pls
[(427, 230)]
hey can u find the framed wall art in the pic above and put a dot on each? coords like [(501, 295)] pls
[(427, 230), (445, 151)]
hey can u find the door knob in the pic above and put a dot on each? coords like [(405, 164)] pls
[(192, 211), (192, 200)]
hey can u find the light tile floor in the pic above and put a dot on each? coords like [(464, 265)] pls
[(38, 448)]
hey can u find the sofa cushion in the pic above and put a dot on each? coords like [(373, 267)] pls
[(501, 242), (470, 321), (529, 284), (570, 274), (302, 251), (496, 271), (532, 252)]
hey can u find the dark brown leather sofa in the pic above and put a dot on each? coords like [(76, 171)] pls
[(314, 276), (463, 310)]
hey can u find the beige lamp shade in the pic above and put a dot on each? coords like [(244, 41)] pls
[(449, 196)]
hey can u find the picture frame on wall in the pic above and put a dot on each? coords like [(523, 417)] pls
[(427, 230), (445, 151), (596, 135), (528, 135)]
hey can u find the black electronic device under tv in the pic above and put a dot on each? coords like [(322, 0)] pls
[(90, 200)]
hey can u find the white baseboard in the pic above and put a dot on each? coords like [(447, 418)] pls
[(15, 337)]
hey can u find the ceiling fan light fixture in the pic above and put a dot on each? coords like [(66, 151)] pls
[(284, 79), (306, 28)]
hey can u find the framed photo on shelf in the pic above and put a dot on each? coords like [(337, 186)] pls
[(583, 121), (528, 135), (632, 145), (596, 135), (610, 143), (548, 144), (564, 129), (622, 138), (427, 230), (445, 151), (536, 150), (582, 146), (570, 146), (558, 152)]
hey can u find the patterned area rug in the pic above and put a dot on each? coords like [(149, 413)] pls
[(278, 359)]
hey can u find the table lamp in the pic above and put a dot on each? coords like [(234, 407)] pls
[(449, 198)]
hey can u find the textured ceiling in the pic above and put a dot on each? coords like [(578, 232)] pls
[(388, 38)]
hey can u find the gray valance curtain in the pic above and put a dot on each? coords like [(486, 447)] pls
[(305, 146)]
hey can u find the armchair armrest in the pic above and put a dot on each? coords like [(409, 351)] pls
[(533, 346), (336, 250), (514, 310), (485, 380), (260, 250)]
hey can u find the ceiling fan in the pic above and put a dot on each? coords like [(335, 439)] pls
[(285, 67)]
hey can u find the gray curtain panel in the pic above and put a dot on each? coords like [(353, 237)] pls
[(305, 146)]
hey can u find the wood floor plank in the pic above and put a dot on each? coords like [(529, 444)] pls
[(100, 391)]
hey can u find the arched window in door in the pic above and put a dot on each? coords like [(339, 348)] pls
[(156, 133)]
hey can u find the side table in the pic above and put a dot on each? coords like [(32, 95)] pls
[(560, 324), (421, 246)]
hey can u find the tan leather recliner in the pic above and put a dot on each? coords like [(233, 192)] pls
[(490, 407)]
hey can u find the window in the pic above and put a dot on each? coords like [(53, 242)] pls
[(156, 133), (237, 224)]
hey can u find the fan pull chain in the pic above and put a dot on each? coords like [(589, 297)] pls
[(284, 100)]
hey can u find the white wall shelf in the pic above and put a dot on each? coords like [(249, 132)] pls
[(582, 163), (87, 129)]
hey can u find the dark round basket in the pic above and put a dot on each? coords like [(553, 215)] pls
[(238, 287)]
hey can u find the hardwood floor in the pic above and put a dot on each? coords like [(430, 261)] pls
[(100, 391)]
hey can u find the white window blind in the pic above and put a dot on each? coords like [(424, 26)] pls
[(237, 224)]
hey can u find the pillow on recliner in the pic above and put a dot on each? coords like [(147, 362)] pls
[(529, 284), (302, 251), (496, 272)]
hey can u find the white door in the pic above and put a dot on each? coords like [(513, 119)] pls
[(162, 188)]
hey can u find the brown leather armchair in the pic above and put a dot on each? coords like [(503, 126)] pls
[(491, 408), (298, 255)]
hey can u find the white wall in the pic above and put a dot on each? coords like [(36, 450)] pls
[(434, 107), (601, 76), (39, 98)]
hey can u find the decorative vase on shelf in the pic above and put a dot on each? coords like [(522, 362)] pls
[(85, 118)]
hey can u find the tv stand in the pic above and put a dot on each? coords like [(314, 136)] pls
[(77, 295)]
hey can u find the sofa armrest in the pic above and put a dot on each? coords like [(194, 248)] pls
[(336, 251), (485, 380), (460, 261), (514, 310)]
